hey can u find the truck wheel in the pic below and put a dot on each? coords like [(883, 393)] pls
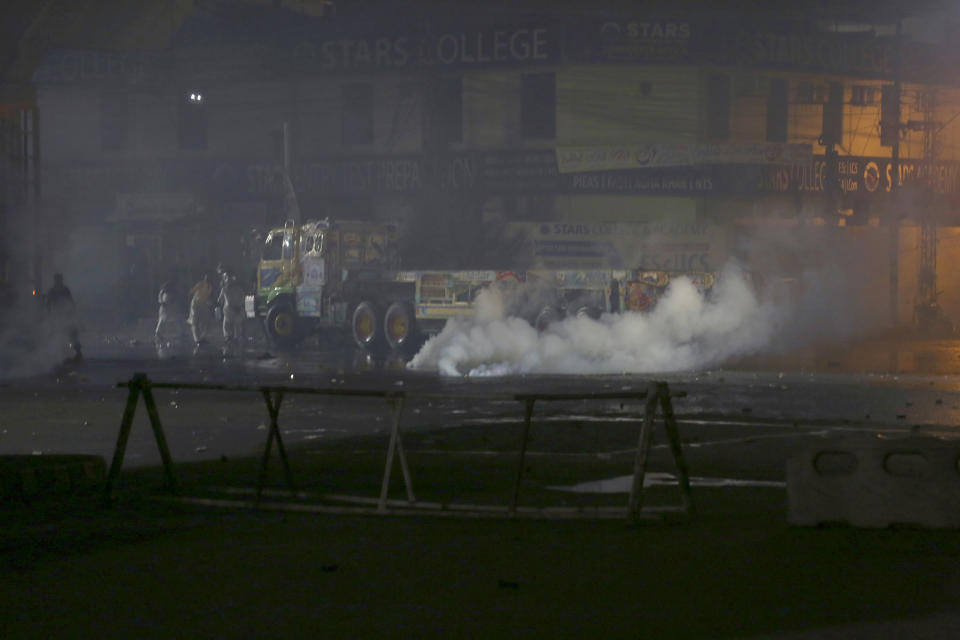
[(281, 325), (547, 316), (399, 325), (589, 311), (366, 325)]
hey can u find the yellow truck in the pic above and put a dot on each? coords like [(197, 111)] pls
[(344, 275)]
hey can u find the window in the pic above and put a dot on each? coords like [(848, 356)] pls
[(862, 96), (448, 110), (777, 111), (809, 93), (192, 120), (273, 249), (718, 107), (538, 106), (306, 243), (833, 116), (356, 113), (114, 120), (752, 85), (926, 100)]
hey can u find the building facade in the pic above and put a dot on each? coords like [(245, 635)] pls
[(507, 139)]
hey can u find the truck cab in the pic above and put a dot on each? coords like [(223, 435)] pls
[(307, 275)]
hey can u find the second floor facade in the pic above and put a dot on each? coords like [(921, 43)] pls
[(609, 106)]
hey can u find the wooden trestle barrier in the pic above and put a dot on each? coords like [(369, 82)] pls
[(657, 393)]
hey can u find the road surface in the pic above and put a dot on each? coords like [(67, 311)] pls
[(78, 408)]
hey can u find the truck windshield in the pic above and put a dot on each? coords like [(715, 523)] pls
[(273, 249)]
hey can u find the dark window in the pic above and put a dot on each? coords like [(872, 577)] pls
[(449, 110), (833, 115), (538, 106), (777, 111), (114, 120), (862, 95), (273, 249), (192, 121), (809, 93), (718, 107), (356, 114), (751, 85), (926, 100)]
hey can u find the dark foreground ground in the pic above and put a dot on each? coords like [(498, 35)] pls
[(149, 568)]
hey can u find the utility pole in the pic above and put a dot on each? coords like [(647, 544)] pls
[(894, 243), (832, 136), (285, 132), (30, 149), (291, 205)]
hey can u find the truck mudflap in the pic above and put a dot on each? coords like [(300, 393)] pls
[(250, 306)]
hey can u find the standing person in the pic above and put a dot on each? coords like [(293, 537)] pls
[(62, 310), (231, 303), (167, 314), (199, 318)]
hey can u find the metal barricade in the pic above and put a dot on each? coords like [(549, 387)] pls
[(656, 395)]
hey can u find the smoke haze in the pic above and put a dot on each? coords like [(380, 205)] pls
[(807, 301), (31, 345), (684, 331), (804, 287)]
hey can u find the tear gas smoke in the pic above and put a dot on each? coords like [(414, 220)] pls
[(30, 343), (806, 286), (34, 341), (684, 331)]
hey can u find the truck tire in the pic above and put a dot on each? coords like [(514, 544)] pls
[(547, 316), (366, 325), (399, 325), (281, 325)]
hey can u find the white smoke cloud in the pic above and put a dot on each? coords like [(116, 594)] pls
[(31, 344), (684, 331)]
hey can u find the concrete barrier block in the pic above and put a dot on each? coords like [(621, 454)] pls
[(876, 483)]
